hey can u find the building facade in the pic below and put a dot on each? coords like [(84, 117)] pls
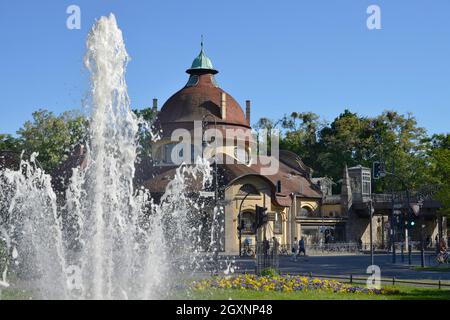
[(298, 205)]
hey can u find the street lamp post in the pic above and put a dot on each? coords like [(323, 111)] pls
[(408, 211), (393, 224), (422, 226), (403, 224), (204, 124), (240, 219), (214, 226), (240, 223), (371, 232)]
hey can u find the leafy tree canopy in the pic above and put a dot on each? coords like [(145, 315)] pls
[(352, 139), (53, 137)]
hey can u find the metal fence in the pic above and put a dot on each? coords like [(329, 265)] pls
[(324, 249), (362, 279), (266, 256), (333, 248), (415, 246), (249, 250)]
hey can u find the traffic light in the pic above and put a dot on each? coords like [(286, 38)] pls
[(379, 170), (411, 220), (261, 216)]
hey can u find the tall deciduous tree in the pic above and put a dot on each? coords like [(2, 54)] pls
[(353, 139), (9, 143), (146, 131), (53, 137), (439, 158), (301, 134)]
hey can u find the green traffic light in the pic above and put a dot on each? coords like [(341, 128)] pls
[(413, 223)]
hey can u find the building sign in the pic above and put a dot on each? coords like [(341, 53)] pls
[(207, 194)]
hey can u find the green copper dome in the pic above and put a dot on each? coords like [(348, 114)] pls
[(202, 64)]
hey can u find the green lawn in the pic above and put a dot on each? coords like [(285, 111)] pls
[(14, 294), (443, 268), (406, 293)]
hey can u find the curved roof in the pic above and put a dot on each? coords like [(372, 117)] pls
[(292, 180), (203, 63), (194, 102), (201, 97)]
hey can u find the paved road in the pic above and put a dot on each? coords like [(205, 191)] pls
[(354, 264)]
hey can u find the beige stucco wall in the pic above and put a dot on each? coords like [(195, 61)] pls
[(233, 202), (294, 224), (331, 210)]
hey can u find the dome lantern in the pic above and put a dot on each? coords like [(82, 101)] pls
[(201, 64)]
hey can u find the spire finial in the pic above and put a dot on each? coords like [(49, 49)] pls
[(202, 63)]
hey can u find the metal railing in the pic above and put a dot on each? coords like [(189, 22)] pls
[(323, 249), (425, 193), (333, 248), (266, 256), (363, 278), (337, 248), (335, 198), (415, 246)]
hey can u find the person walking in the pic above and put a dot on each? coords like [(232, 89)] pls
[(442, 256), (436, 242), (301, 247), (294, 250)]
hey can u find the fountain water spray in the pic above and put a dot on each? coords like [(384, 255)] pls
[(103, 239)]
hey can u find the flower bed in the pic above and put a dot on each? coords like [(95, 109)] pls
[(284, 283)]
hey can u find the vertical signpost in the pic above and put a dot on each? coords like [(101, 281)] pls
[(393, 224), (378, 171), (261, 220), (215, 228), (371, 210)]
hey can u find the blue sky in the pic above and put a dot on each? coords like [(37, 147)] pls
[(287, 55)]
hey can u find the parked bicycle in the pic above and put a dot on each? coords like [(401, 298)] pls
[(443, 257), (283, 251), (247, 251)]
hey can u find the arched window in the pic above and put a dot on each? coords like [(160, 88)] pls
[(248, 222), (278, 224), (305, 212)]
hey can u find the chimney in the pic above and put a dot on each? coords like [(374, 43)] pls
[(223, 105), (247, 111), (278, 186), (155, 105)]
